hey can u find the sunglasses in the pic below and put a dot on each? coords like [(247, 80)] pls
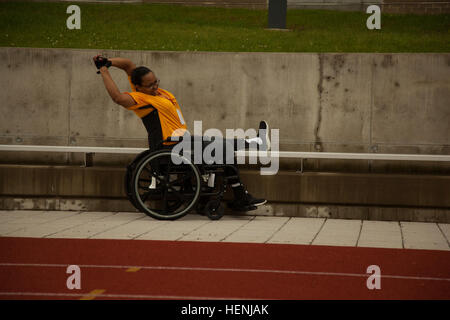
[(155, 83)]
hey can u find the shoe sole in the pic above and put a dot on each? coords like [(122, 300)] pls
[(266, 136), (245, 208), (259, 204)]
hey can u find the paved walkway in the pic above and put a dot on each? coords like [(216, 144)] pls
[(255, 229)]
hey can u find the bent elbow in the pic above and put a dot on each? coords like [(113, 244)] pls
[(117, 99), (130, 69), (123, 100)]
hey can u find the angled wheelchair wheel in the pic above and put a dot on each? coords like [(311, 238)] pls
[(214, 209), (129, 174), (165, 186)]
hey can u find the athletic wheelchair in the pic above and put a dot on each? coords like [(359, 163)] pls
[(163, 190)]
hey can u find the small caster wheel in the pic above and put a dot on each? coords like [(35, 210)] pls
[(214, 209)]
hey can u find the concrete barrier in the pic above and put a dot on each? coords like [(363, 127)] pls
[(323, 195), (386, 103), (376, 103), (387, 6)]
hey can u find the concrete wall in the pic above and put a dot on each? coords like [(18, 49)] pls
[(385, 103), (250, 4), (310, 187), (416, 6), (387, 6), (327, 195), (342, 5)]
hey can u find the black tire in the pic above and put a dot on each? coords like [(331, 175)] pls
[(129, 174), (177, 189), (214, 209)]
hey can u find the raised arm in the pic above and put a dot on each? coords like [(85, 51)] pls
[(102, 65), (122, 63), (118, 97)]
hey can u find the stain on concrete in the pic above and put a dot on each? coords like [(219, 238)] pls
[(318, 212), (74, 205), (382, 108), (159, 55), (397, 84), (388, 61), (348, 108), (35, 204), (294, 108), (323, 212), (319, 111), (51, 205), (338, 63), (311, 212)]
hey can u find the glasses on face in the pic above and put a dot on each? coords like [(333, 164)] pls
[(155, 83)]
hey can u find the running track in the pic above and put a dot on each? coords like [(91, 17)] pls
[(35, 268)]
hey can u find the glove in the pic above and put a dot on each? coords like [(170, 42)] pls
[(101, 61)]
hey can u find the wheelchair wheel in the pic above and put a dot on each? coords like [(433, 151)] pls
[(164, 190), (214, 209), (129, 174)]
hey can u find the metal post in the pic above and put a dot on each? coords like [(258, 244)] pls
[(88, 159), (277, 14)]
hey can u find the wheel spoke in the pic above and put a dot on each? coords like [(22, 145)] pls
[(145, 196), (165, 200), (153, 174), (182, 178), (142, 187), (178, 194)]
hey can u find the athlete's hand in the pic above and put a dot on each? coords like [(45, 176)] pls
[(101, 62)]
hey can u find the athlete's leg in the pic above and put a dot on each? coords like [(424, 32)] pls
[(261, 142), (242, 199)]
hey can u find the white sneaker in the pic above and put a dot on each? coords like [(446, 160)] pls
[(263, 134)]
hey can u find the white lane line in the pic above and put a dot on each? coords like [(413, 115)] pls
[(130, 296), (338, 274)]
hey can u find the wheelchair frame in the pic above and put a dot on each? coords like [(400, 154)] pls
[(166, 191)]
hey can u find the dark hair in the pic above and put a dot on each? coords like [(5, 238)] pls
[(138, 73)]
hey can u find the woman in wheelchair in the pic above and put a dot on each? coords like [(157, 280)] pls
[(153, 183)]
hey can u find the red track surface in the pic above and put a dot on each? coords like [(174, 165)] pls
[(36, 269)]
